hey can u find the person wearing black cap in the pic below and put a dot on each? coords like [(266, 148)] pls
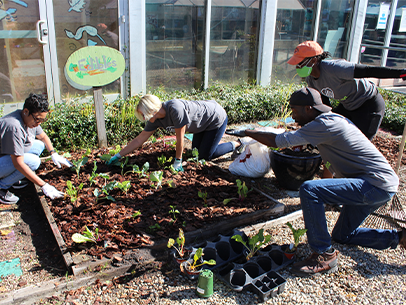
[(363, 181)]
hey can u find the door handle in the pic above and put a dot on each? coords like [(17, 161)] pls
[(42, 33)]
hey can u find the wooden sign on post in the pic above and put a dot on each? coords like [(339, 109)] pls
[(94, 67)]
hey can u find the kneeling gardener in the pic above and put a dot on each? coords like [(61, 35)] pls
[(363, 181), (22, 142)]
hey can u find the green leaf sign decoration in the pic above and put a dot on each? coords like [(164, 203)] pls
[(94, 66)]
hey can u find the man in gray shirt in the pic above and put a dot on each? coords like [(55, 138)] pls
[(22, 142), (363, 181)]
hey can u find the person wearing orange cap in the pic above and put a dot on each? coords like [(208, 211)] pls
[(341, 80)]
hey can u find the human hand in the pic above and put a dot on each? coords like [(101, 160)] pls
[(51, 191), (58, 160), (236, 132), (177, 165), (114, 159)]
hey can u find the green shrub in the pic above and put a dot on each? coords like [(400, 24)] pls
[(72, 125)]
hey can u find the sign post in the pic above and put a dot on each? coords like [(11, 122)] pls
[(94, 67)]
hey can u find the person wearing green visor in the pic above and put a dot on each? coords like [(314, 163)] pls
[(341, 80)]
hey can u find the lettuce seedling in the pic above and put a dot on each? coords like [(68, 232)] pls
[(296, 236), (162, 160), (86, 236), (255, 242), (124, 186), (78, 164), (157, 177), (72, 192), (242, 190), (196, 257), (195, 158)]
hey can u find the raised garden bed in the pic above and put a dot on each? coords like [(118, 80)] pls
[(145, 215)]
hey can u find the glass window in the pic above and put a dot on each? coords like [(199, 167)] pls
[(22, 70), (233, 41), (86, 23), (174, 44), (294, 24)]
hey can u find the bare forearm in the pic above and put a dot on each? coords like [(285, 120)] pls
[(266, 138)]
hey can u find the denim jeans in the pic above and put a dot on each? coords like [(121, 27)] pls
[(10, 175), (207, 143), (358, 199)]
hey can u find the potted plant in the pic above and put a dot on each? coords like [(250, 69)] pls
[(290, 250), (255, 242), (181, 253), (193, 266)]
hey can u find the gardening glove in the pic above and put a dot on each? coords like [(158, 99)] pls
[(403, 74), (236, 132), (177, 165), (58, 160), (114, 159), (51, 191)]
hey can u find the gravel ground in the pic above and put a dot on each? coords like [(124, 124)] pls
[(365, 276)]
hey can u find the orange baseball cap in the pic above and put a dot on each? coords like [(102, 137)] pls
[(306, 49)]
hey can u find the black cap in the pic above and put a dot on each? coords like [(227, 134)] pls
[(308, 97)]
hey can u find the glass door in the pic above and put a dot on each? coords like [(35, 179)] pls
[(23, 37)]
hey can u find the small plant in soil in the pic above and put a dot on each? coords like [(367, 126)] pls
[(136, 169), (254, 243), (203, 196), (124, 186), (197, 261), (157, 177), (195, 158), (86, 236), (93, 175), (72, 191), (162, 160), (78, 164), (136, 214), (180, 241), (123, 165), (154, 228), (242, 191), (105, 190), (296, 237), (173, 211)]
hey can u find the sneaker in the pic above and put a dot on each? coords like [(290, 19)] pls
[(316, 264), (402, 238), (238, 150), (20, 184), (7, 197)]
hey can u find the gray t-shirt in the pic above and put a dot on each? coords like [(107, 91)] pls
[(198, 116), (347, 150), (16, 138), (337, 81)]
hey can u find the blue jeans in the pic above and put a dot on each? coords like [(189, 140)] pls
[(359, 199), (10, 175), (207, 143)]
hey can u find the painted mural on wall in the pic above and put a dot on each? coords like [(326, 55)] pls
[(11, 11)]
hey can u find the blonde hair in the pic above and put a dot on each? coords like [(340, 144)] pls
[(149, 105)]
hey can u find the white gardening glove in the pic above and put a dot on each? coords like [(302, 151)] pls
[(177, 165), (51, 191), (58, 160)]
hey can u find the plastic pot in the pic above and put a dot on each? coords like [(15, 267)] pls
[(292, 171)]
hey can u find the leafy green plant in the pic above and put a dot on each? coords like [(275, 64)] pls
[(195, 158), (124, 186), (203, 196), (154, 228), (242, 190), (157, 177), (137, 213), (180, 241), (162, 160), (123, 164), (93, 175), (78, 164), (136, 169), (255, 242), (105, 190), (192, 266), (173, 211), (296, 236), (72, 191), (86, 236)]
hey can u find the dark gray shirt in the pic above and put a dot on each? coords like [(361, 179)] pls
[(347, 150), (16, 138), (198, 116), (337, 81)]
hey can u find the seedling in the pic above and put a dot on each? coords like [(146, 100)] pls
[(157, 177), (254, 243), (180, 242), (123, 164), (137, 213), (105, 190), (78, 164), (162, 160), (124, 186), (296, 236), (195, 158), (173, 211), (154, 227), (136, 169), (203, 196), (197, 257), (86, 236), (72, 192), (242, 190), (93, 175)]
